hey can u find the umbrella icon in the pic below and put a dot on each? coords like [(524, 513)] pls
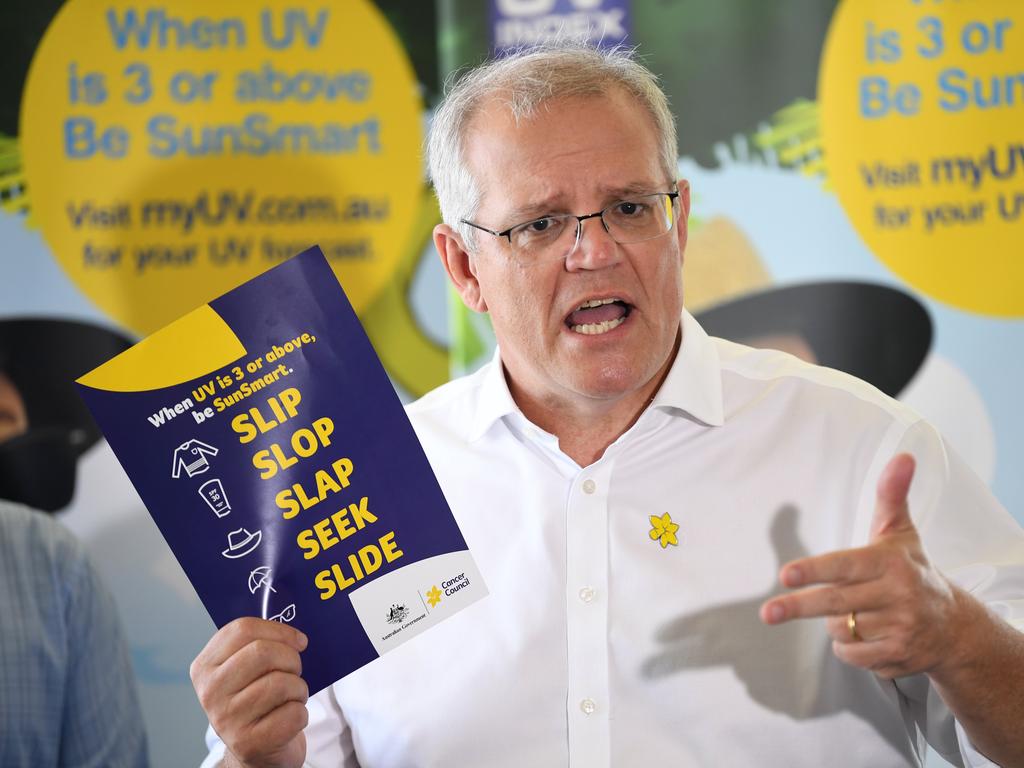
[(259, 578)]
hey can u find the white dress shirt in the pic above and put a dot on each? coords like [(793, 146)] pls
[(600, 647)]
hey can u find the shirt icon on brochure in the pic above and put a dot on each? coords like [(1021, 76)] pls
[(241, 543), (191, 456)]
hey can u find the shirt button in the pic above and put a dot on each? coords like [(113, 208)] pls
[(589, 486), (588, 706), (587, 594)]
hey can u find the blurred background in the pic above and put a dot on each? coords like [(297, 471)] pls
[(152, 157)]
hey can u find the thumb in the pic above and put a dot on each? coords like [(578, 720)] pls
[(892, 514)]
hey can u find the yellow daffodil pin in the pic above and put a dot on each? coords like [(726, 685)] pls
[(664, 530)]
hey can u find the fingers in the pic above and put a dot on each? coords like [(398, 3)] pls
[(843, 566), (248, 682), (241, 652), (829, 600), (885, 658), (279, 728), (266, 694), (892, 514), (884, 604), (240, 632), (872, 627), (891, 518), (253, 661)]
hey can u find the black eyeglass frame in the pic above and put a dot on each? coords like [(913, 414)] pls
[(507, 233)]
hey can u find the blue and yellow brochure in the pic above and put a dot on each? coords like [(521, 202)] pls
[(268, 444)]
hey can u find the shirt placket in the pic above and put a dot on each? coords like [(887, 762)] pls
[(586, 598)]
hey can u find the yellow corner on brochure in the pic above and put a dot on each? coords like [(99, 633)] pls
[(192, 346)]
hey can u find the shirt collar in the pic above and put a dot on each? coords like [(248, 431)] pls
[(693, 384), (494, 400)]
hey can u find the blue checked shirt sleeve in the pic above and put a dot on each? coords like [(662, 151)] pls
[(68, 696), (102, 722)]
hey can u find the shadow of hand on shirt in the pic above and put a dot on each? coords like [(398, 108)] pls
[(788, 668)]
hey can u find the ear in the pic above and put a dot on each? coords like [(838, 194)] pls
[(683, 225), (459, 266)]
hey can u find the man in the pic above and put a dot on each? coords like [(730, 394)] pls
[(67, 694), (630, 487)]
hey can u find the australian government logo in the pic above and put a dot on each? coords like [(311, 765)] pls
[(398, 616)]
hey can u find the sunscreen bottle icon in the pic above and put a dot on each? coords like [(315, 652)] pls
[(213, 494)]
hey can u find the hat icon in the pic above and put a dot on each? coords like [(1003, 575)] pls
[(241, 543)]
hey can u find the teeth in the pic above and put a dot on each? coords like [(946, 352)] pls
[(592, 329), (596, 303)]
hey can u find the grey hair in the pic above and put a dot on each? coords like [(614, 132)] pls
[(523, 81)]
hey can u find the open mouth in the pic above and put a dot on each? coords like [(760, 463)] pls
[(597, 316)]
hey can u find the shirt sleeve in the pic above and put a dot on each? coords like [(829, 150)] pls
[(975, 542), (102, 721), (329, 741)]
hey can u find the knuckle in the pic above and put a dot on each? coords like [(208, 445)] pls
[(242, 629), (295, 716), (204, 698), (900, 590), (300, 690), (835, 600), (266, 686), (261, 653), (845, 564), (840, 652), (886, 673), (280, 726), (906, 626), (897, 564), (244, 749), (274, 688), (905, 658), (234, 632), (895, 656)]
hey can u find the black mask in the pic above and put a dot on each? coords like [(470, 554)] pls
[(37, 469)]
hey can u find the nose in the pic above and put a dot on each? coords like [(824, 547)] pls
[(594, 251)]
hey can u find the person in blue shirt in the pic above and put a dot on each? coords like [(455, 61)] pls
[(67, 692)]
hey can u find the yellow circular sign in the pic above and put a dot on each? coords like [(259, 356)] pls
[(922, 106), (173, 151)]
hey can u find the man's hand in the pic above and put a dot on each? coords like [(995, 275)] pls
[(247, 679), (903, 610)]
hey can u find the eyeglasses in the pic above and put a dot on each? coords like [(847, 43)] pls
[(554, 237)]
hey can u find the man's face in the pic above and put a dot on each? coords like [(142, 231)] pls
[(576, 156), (13, 419)]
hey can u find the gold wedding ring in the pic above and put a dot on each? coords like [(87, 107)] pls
[(851, 624)]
